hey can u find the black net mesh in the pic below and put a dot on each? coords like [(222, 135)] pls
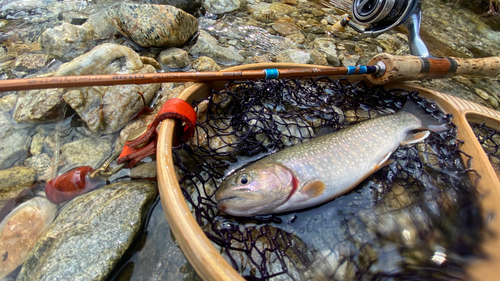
[(417, 218), (490, 141)]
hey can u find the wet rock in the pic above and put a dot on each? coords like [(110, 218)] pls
[(43, 166), (297, 38), (328, 47), (155, 25), (144, 171), (173, 58), (91, 234), (66, 41), (8, 102), (13, 181), (151, 61), (36, 106), (107, 109), (37, 143), (101, 25), (32, 62), (13, 147), (85, 152), (482, 93), (20, 230), (295, 56), (285, 28), (221, 6), (208, 46), (205, 64)]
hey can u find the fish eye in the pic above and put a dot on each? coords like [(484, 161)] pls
[(243, 179)]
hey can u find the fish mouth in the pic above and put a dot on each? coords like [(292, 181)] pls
[(226, 199)]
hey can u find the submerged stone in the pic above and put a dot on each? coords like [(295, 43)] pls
[(91, 233), (85, 152), (173, 58), (66, 41), (36, 106), (221, 6), (155, 25), (107, 109), (208, 46), (13, 181), (20, 230)]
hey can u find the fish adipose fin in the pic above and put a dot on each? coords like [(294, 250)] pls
[(416, 137), (428, 122), (313, 188)]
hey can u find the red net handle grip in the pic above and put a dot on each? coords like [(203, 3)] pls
[(403, 68)]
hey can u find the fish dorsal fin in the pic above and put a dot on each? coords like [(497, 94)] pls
[(313, 188), (416, 137)]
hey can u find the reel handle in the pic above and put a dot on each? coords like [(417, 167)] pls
[(403, 68)]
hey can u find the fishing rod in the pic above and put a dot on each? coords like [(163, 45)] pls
[(381, 69)]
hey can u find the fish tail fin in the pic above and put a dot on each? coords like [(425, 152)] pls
[(428, 122)]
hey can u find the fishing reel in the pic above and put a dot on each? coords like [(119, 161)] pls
[(383, 15)]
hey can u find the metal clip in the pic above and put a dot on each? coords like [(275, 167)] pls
[(103, 170)]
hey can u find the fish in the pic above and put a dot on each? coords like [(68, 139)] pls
[(316, 171)]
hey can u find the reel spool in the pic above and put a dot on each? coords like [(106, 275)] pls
[(382, 15)]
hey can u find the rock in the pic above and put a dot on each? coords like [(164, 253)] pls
[(144, 171), (286, 28), (205, 64), (20, 230), (482, 93), (85, 152), (493, 101), (328, 47), (66, 41), (189, 6), (154, 25), (219, 7), (37, 143), (43, 166), (107, 109), (295, 56), (13, 181), (36, 106), (101, 25), (14, 148), (173, 58), (32, 62), (297, 38), (208, 46), (91, 234), (8, 102)]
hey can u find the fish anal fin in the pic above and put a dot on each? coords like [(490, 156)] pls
[(313, 188), (385, 161), (416, 137)]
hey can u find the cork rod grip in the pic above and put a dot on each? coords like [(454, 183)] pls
[(404, 68)]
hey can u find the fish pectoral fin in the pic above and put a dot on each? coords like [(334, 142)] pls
[(385, 161), (313, 188), (416, 137)]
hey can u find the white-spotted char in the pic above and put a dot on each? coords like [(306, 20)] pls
[(323, 168)]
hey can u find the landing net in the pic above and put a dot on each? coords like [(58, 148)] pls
[(418, 218)]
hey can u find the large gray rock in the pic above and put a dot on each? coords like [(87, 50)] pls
[(86, 152), (107, 109), (208, 46), (155, 25), (91, 233), (66, 41)]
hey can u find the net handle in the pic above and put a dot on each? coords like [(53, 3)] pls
[(405, 68)]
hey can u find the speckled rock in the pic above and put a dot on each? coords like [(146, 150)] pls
[(219, 7), (66, 41), (13, 181), (205, 64), (20, 230), (71, 248), (189, 6), (31, 62), (328, 47), (36, 106), (107, 109), (208, 46), (101, 25), (8, 102), (295, 56), (86, 152), (155, 25), (173, 58), (43, 166)]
